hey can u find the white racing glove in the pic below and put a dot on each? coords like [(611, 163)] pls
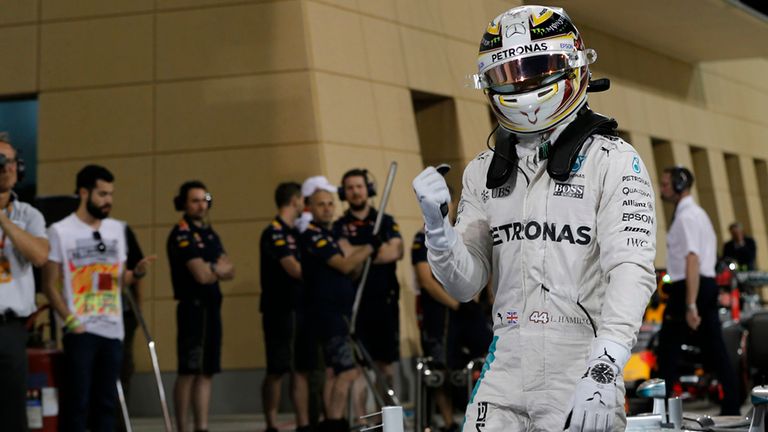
[(432, 193), (594, 403), (303, 221)]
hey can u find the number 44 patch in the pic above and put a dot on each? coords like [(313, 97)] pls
[(539, 317)]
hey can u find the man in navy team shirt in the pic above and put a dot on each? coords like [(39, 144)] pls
[(328, 265)]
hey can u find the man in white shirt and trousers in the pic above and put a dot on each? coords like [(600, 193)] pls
[(692, 305)]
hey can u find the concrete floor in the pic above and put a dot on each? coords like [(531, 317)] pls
[(255, 422), (222, 423)]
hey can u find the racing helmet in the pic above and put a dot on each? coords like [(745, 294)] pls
[(533, 67)]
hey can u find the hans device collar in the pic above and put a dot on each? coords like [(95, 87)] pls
[(562, 153)]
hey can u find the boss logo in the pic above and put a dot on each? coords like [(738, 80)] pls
[(569, 190), (645, 231)]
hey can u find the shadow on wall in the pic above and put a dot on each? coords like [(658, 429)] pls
[(643, 67)]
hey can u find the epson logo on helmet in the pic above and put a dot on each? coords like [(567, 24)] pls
[(518, 50)]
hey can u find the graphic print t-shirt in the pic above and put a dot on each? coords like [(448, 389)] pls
[(91, 277)]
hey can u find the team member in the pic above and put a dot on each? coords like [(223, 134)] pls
[(559, 214), (198, 262), (327, 271), (741, 247), (130, 319), (288, 345), (23, 244), (87, 259), (378, 322), (448, 328), (692, 305)]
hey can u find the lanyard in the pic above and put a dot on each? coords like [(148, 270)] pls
[(2, 240)]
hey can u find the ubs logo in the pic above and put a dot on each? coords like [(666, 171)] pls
[(501, 192)]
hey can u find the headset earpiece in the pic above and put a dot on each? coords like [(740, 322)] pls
[(180, 200), (178, 203), (369, 185), (681, 179), (20, 169)]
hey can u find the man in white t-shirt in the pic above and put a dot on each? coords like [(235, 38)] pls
[(692, 305), (83, 279), (23, 244)]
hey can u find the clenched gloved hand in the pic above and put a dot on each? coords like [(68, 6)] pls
[(432, 193), (594, 402)]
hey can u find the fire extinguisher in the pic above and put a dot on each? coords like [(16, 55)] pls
[(43, 383)]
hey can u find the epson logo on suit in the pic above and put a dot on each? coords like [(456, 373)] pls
[(569, 190), (639, 217)]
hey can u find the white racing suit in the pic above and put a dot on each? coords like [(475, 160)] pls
[(570, 261)]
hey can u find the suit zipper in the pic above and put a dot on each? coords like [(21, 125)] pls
[(591, 323)]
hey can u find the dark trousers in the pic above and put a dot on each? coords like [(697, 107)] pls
[(91, 366), (13, 376), (675, 332)]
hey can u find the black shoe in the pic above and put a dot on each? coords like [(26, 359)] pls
[(453, 427), (333, 425)]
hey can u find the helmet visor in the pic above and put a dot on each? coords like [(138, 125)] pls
[(526, 68), (529, 72)]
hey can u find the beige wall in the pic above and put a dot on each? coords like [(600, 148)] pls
[(713, 109), (245, 94)]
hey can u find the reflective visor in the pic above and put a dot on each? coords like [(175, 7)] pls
[(524, 69)]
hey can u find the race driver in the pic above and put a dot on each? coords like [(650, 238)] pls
[(560, 215)]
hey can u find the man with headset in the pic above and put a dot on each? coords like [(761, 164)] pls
[(328, 265), (559, 216), (198, 262), (23, 245), (378, 319), (692, 305)]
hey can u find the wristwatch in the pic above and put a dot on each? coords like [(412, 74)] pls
[(213, 268), (691, 307)]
